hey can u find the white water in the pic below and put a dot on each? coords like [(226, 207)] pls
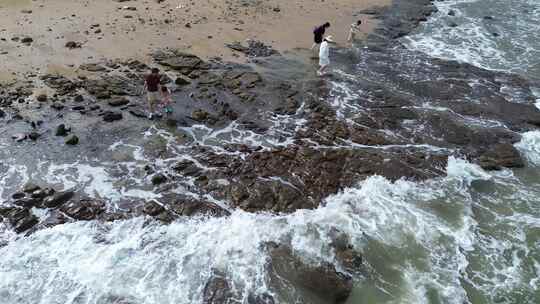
[(150, 263)]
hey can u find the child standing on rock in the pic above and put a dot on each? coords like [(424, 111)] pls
[(166, 100), (355, 30), (324, 55)]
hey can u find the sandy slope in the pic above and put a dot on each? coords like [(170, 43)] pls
[(284, 24)]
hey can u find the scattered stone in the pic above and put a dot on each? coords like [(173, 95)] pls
[(118, 102), (41, 98), (73, 45), (158, 179), (27, 40), (72, 140), (61, 130), (84, 209), (110, 116)]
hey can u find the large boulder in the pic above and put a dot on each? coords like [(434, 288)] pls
[(501, 155), (299, 282)]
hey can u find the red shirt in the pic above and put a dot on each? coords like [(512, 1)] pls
[(152, 82)]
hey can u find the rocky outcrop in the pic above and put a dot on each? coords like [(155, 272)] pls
[(299, 177)]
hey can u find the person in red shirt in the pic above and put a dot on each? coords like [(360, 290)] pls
[(152, 84)]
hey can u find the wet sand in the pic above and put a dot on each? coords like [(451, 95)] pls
[(131, 29)]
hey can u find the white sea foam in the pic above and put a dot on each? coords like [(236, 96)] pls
[(530, 146), (150, 263), (95, 181)]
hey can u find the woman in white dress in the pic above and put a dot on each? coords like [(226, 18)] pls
[(324, 55)]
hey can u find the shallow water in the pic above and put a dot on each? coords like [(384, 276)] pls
[(497, 34)]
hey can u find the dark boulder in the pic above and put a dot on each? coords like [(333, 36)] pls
[(61, 130), (312, 283), (58, 199), (110, 116), (27, 202), (21, 219), (159, 178), (72, 140), (502, 155)]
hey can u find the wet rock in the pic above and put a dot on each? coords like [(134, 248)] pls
[(285, 180), (118, 102), (499, 156), (78, 98), (21, 219), (58, 199), (61, 130), (152, 208), (159, 178), (110, 116), (30, 187), (72, 140), (347, 256), (84, 209), (61, 84), (41, 98), (180, 81), (137, 112), (316, 283), (42, 193), (187, 206), (218, 291), (27, 202), (18, 195)]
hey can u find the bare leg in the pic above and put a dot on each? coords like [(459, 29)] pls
[(321, 71)]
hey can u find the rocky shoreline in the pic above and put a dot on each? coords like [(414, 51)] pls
[(389, 131)]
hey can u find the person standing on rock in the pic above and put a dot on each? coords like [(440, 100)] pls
[(324, 55), (355, 30), (151, 84), (318, 34)]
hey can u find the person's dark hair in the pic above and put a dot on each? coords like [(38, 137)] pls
[(164, 88), (359, 22), (327, 24), (155, 70)]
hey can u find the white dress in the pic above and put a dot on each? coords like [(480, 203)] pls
[(324, 54)]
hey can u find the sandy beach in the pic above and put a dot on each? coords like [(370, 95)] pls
[(116, 29)]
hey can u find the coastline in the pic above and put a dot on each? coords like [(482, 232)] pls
[(289, 142), (106, 30)]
